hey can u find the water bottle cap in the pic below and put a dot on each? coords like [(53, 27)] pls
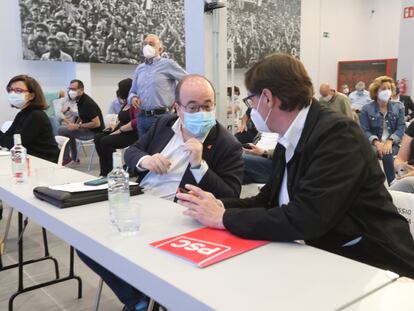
[(17, 139), (117, 159)]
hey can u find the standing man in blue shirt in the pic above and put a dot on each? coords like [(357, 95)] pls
[(154, 84)]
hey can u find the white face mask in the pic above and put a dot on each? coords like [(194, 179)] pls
[(257, 119), (327, 98), (384, 95), (72, 94), (16, 100), (149, 51)]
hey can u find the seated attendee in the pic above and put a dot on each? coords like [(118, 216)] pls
[(65, 111), (247, 131), (116, 105), (88, 124), (32, 123), (404, 163), (334, 100), (382, 120), (407, 102), (188, 148), (330, 193), (233, 104), (257, 164), (121, 135), (345, 89), (360, 97), (257, 158)]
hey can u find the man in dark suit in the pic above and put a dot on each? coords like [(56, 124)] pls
[(407, 102), (188, 148), (191, 148), (330, 194)]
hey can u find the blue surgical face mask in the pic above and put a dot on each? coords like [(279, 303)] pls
[(16, 100), (199, 123)]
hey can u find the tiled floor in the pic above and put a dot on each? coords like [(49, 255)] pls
[(56, 297)]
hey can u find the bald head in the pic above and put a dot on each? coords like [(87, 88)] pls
[(324, 89), (155, 42), (194, 85)]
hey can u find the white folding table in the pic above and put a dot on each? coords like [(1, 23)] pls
[(282, 276)]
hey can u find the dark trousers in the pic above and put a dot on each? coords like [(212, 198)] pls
[(126, 293), (106, 144), (388, 163), (247, 136), (257, 169)]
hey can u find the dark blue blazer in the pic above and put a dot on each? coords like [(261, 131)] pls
[(221, 151)]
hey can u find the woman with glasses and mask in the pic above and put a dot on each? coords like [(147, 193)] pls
[(31, 122), (382, 120)]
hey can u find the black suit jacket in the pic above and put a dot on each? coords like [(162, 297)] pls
[(221, 151), (408, 105), (337, 194)]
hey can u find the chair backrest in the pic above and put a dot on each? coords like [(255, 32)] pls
[(61, 141), (6, 125), (405, 204), (110, 119)]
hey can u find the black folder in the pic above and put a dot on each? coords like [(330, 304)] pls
[(63, 199)]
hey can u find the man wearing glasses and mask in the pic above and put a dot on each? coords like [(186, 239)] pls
[(188, 148), (317, 191)]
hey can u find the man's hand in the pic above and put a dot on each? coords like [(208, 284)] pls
[(196, 151), (256, 150), (136, 102), (156, 163), (202, 206), (73, 126)]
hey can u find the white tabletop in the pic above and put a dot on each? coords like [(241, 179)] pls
[(285, 276), (395, 296)]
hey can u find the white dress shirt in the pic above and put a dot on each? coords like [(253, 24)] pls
[(290, 140), (165, 186)]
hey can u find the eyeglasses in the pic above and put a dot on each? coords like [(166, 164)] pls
[(17, 90), (196, 108), (248, 100)]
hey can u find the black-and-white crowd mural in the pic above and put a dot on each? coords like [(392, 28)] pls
[(256, 28), (100, 31)]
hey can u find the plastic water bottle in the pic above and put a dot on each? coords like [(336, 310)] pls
[(122, 213), (19, 160)]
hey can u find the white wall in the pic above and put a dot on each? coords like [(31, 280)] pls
[(406, 48), (359, 29), (104, 82)]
